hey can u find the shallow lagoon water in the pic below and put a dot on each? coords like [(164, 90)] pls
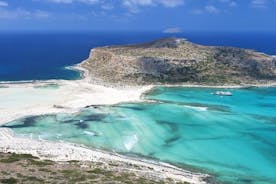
[(231, 137)]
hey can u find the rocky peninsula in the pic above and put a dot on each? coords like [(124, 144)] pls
[(178, 61)]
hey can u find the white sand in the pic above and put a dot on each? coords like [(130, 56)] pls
[(19, 100), (61, 151), (25, 99)]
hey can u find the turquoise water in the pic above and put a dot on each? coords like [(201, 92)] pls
[(231, 137)]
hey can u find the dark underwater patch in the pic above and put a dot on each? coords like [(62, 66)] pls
[(171, 125), (26, 122), (70, 121), (268, 105), (267, 119), (81, 121), (172, 140), (94, 117), (220, 108), (260, 139), (245, 180), (209, 138), (81, 125), (193, 124), (270, 129), (151, 154), (131, 107)]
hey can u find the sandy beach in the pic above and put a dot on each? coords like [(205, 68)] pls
[(62, 151), (29, 98), (60, 96)]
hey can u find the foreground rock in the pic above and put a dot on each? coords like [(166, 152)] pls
[(177, 61)]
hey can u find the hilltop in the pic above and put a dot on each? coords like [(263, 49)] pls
[(178, 61)]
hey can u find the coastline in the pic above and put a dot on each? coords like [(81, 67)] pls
[(68, 97), (71, 97), (63, 151)]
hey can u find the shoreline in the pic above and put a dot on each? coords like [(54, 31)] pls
[(68, 97), (71, 97), (64, 151)]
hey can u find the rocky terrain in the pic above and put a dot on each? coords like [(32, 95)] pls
[(178, 61)]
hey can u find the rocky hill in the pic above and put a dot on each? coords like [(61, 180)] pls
[(175, 61)]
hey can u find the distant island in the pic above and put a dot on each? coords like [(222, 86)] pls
[(178, 61)]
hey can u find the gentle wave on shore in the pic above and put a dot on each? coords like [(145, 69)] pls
[(232, 137)]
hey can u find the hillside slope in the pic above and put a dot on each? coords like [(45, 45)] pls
[(175, 61)]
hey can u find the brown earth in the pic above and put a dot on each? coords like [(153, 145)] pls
[(177, 61)]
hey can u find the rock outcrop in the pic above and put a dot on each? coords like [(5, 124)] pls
[(176, 61)]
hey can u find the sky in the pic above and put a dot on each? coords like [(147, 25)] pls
[(169, 16)]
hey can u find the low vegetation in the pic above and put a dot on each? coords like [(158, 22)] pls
[(24, 168), (175, 61)]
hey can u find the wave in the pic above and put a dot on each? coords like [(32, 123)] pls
[(130, 141), (91, 133), (197, 108)]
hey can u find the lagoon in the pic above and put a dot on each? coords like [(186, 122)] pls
[(230, 137)]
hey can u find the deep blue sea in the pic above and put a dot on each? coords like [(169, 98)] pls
[(40, 56), (231, 137)]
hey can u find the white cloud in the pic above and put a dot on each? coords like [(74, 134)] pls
[(89, 1), (172, 3), (62, 1), (138, 2), (22, 14), (133, 5), (3, 3), (211, 9), (207, 9), (230, 3), (72, 1), (107, 6), (128, 3), (172, 30), (258, 3), (40, 14)]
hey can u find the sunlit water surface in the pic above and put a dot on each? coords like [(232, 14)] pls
[(231, 137)]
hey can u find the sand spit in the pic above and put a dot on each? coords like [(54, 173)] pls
[(29, 98), (59, 96), (61, 151)]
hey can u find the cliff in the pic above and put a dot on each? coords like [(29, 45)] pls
[(176, 61)]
